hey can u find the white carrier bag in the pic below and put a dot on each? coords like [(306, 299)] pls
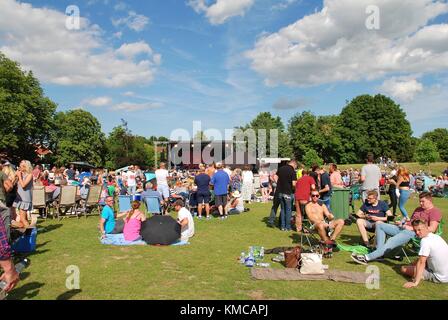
[(311, 263)]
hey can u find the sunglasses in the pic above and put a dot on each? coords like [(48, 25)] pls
[(315, 195)]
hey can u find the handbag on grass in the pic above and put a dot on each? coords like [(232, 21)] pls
[(311, 263), (292, 257)]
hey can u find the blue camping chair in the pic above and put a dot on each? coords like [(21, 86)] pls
[(124, 203), (152, 205)]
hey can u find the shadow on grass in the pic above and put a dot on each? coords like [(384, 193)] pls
[(49, 228), (305, 239), (27, 291), (351, 240), (42, 244), (68, 295), (276, 224), (24, 275)]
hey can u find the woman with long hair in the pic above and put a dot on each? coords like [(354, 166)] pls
[(24, 199), (403, 183), (11, 195), (133, 223), (235, 180)]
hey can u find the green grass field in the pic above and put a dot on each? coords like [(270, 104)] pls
[(206, 269)]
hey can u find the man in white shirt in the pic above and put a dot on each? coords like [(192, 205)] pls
[(432, 263), (185, 219), (227, 170), (370, 177), (162, 181), (131, 182)]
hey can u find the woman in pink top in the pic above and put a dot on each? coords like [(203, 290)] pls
[(133, 223), (335, 177)]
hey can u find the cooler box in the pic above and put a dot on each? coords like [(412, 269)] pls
[(340, 203), (26, 243)]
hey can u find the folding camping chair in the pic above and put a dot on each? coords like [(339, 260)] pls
[(92, 201), (152, 205), (39, 201), (414, 245), (124, 203), (308, 230), (356, 192), (66, 201)]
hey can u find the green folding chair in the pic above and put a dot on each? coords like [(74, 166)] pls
[(414, 245)]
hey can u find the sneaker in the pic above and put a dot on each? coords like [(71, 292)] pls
[(208, 218), (283, 229), (199, 217), (221, 217), (359, 258), (226, 216)]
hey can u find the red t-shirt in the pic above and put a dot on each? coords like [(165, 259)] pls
[(303, 188), (430, 215)]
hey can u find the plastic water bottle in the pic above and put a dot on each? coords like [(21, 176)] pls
[(19, 268), (242, 257), (263, 264), (250, 261), (262, 253)]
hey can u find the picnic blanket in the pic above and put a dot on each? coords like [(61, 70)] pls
[(294, 274), (181, 243), (118, 240)]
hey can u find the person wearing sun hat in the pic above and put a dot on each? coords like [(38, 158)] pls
[(236, 204)]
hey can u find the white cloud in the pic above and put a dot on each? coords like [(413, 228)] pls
[(118, 34), (221, 10), (132, 50), (283, 5), (429, 109), (335, 45), (288, 104), (128, 94), (131, 107), (134, 21), (402, 88), (98, 102), (39, 40), (121, 6)]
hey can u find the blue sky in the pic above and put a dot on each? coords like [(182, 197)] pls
[(161, 65)]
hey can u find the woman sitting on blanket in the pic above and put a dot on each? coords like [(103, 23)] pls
[(133, 223)]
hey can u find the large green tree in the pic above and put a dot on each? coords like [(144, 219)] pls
[(308, 131), (374, 124), (26, 115), (125, 149), (77, 136), (266, 121), (439, 137), (426, 152)]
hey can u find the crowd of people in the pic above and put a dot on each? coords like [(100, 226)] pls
[(311, 194), (217, 189)]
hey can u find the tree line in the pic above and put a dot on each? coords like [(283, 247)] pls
[(366, 124)]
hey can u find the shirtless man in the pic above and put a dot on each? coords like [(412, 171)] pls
[(316, 214)]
